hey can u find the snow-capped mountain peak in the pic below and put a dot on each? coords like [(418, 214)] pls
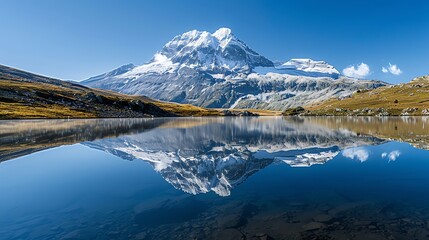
[(309, 65), (224, 36), (220, 51), (222, 33), (302, 67)]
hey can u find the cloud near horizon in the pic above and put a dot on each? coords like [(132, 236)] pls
[(393, 69), (357, 71)]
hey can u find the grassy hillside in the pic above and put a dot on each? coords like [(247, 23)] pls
[(27, 95), (404, 99)]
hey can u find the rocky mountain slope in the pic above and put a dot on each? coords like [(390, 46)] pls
[(220, 71), (400, 100)]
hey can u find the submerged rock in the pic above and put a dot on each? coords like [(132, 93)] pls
[(140, 236), (230, 234), (313, 226), (362, 223), (323, 218), (231, 221)]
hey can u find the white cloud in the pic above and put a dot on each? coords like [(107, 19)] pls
[(357, 71), (393, 69), (359, 153)]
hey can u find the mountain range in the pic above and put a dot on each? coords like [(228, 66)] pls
[(218, 70), (198, 72)]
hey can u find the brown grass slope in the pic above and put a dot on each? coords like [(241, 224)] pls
[(404, 99)]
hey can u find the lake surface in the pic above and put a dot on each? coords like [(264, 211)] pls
[(215, 178)]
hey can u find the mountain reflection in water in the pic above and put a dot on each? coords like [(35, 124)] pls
[(217, 155), (202, 155)]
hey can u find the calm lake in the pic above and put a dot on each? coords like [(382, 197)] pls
[(215, 178)]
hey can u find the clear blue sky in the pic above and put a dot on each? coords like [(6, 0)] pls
[(81, 38)]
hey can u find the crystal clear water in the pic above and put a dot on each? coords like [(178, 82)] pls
[(215, 178)]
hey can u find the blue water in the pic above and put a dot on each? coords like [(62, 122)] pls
[(233, 178)]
